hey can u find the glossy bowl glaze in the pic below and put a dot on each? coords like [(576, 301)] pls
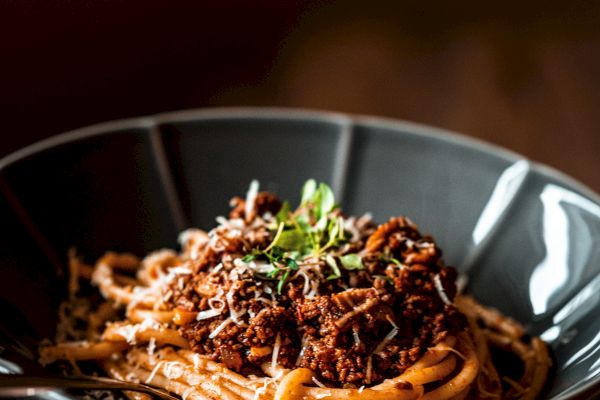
[(527, 236)]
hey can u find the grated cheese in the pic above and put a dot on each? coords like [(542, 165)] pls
[(385, 341), (251, 197), (304, 275), (213, 300), (391, 321), (151, 348), (440, 289), (233, 314), (182, 270), (263, 389), (128, 332), (221, 220), (276, 348), (318, 383), (154, 371), (314, 290), (196, 357), (207, 314), (187, 392), (217, 268), (260, 267), (173, 369), (219, 328)]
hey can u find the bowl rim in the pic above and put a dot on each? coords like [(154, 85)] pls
[(347, 121), (343, 120)]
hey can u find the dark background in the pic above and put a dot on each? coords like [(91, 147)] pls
[(525, 75)]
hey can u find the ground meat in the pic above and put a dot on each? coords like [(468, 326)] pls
[(338, 332), (265, 203)]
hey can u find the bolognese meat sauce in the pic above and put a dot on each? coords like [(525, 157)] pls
[(354, 302)]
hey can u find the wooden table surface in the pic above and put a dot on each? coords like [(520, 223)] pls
[(524, 76)]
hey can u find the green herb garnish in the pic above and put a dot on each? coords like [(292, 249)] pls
[(248, 257), (282, 281), (351, 262), (309, 231), (333, 264)]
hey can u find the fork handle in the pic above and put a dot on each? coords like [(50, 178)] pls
[(26, 385)]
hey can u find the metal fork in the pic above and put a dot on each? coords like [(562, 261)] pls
[(24, 385)]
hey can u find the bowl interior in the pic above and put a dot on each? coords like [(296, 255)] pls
[(526, 236)]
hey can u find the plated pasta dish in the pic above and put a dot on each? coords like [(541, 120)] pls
[(296, 303)]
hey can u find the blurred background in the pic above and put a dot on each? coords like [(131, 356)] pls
[(524, 75)]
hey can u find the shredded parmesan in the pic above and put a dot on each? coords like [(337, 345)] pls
[(129, 332), (301, 354), (314, 290), (187, 392), (194, 379), (151, 348), (360, 389), (217, 268), (219, 328), (196, 357), (440, 289), (251, 197), (233, 314), (385, 341), (391, 321), (180, 270), (173, 370), (207, 314), (154, 371), (260, 267), (304, 275), (219, 307), (263, 389), (276, 348), (318, 383), (221, 220)]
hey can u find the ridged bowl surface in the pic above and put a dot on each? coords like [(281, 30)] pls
[(527, 236)]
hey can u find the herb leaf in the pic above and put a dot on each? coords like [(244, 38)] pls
[(290, 262), (282, 281), (326, 200), (248, 257), (308, 191), (333, 264), (351, 262), (283, 213), (277, 235), (310, 230), (292, 240), (273, 273)]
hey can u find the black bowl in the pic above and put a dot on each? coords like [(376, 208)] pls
[(527, 235)]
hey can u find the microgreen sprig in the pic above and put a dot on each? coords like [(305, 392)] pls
[(310, 231)]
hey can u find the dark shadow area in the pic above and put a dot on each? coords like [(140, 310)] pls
[(522, 75)]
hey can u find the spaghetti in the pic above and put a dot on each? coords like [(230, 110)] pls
[(289, 305)]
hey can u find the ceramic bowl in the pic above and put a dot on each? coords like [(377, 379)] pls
[(527, 236)]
